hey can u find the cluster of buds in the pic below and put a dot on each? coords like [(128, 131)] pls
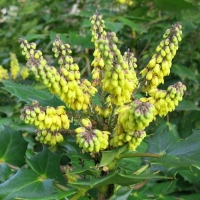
[(121, 137), (49, 137), (136, 116), (48, 120), (64, 82), (45, 117), (91, 140), (165, 100), (161, 62), (115, 72), (132, 120)]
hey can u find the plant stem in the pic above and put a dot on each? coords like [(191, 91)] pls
[(12, 166), (128, 155), (61, 187), (78, 195)]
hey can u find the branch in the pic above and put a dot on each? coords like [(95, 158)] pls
[(128, 155)]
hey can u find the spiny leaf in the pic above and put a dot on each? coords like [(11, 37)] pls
[(47, 164), (29, 94), (12, 147), (177, 153), (26, 184)]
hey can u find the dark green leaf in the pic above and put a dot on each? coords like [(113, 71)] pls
[(8, 110), (113, 26), (13, 147), (184, 72), (122, 193), (191, 175), (34, 37), (166, 187), (29, 94), (26, 184), (5, 172), (187, 105), (177, 153), (189, 197), (47, 164), (134, 26), (58, 196), (109, 156), (171, 5)]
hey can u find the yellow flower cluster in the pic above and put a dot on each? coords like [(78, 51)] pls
[(165, 100), (91, 140), (24, 72), (132, 120), (14, 66), (14, 69), (64, 82), (3, 73), (48, 120), (128, 2), (115, 73), (115, 79), (161, 62)]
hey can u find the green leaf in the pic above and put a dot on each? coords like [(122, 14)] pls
[(113, 26), (177, 153), (187, 105), (184, 72), (34, 37), (13, 147), (83, 41), (114, 178), (166, 187), (121, 194), (58, 196), (29, 94), (5, 172), (134, 26), (8, 110), (47, 164), (110, 155), (191, 175), (189, 197), (26, 184), (174, 6)]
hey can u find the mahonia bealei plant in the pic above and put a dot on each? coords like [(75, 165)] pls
[(120, 117)]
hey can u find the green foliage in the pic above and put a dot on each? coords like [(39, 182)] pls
[(165, 166)]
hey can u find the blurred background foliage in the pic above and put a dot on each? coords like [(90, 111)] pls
[(139, 25)]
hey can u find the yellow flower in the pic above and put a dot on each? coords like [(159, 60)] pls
[(3, 73), (14, 66), (24, 72)]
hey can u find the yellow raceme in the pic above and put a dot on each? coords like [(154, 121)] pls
[(48, 120), (3, 73)]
